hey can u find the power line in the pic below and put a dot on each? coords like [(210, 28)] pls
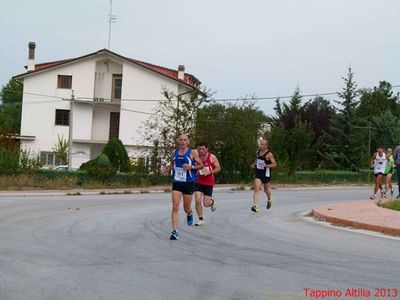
[(215, 100)]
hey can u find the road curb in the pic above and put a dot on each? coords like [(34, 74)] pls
[(76, 192)]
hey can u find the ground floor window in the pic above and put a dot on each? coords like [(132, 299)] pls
[(51, 159)]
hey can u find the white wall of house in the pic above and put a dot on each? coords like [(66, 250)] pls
[(91, 77), (82, 121), (42, 98), (101, 122), (80, 154), (139, 83), (105, 68)]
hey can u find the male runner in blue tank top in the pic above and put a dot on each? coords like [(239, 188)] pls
[(263, 164), (184, 163)]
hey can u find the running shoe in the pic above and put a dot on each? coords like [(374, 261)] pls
[(254, 208), (213, 206), (269, 203), (199, 223), (372, 197), (189, 219), (174, 235)]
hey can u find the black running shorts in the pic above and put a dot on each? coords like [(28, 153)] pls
[(263, 179), (207, 190), (185, 188)]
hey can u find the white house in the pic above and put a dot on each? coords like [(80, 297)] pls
[(105, 87)]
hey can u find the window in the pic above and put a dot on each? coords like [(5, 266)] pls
[(64, 82), (117, 87), (62, 117), (51, 158)]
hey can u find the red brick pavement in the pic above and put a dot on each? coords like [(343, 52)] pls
[(362, 215)]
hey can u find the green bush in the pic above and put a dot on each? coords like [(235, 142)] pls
[(117, 154), (9, 161), (98, 169), (103, 161)]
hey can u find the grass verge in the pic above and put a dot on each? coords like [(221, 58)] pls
[(393, 204)]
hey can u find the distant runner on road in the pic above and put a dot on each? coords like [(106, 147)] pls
[(378, 162), (389, 170), (263, 164), (396, 158)]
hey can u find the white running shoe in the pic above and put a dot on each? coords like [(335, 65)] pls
[(199, 223)]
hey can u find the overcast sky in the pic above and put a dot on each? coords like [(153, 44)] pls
[(236, 48)]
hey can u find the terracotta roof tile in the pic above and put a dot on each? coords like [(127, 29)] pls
[(173, 74)]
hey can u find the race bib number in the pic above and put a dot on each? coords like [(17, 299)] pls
[(260, 164), (202, 171), (179, 174)]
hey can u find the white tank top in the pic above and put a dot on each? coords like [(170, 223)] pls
[(380, 163)]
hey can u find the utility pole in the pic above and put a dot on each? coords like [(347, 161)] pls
[(369, 127), (70, 130), (369, 137)]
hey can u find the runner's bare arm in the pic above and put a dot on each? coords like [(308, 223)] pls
[(195, 156), (215, 162), (372, 159), (272, 159)]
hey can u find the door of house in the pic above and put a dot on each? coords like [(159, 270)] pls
[(114, 125)]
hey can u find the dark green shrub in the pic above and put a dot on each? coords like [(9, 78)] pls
[(117, 154), (9, 161), (98, 169), (103, 160)]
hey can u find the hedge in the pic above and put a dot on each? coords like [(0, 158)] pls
[(49, 179)]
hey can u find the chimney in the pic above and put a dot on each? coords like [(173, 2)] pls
[(181, 72), (31, 58)]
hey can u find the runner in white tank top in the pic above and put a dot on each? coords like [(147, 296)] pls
[(378, 162)]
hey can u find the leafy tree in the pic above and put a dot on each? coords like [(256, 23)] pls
[(176, 115), (385, 130), (232, 132), (155, 160), (10, 106), (378, 100), (317, 114), (289, 136), (61, 150), (294, 145)]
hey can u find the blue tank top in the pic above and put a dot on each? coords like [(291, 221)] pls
[(179, 174)]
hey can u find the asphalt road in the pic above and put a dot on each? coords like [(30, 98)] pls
[(118, 247)]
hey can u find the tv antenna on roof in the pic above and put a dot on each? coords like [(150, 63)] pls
[(111, 19)]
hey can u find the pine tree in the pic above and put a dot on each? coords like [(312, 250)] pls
[(344, 146)]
